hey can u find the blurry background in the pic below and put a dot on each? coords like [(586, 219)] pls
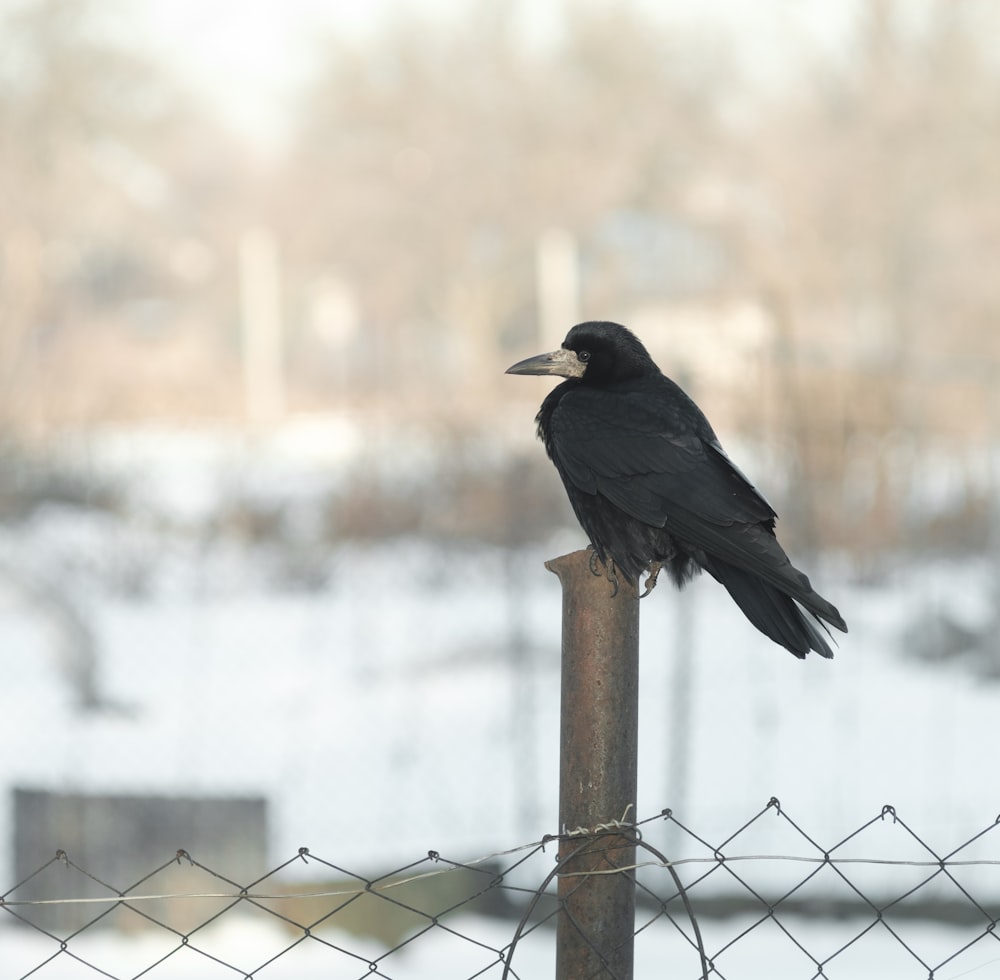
[(272, 519)]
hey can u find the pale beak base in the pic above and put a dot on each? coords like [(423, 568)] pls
[(562, 362)]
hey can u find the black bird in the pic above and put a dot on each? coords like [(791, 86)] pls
[(652, 486)]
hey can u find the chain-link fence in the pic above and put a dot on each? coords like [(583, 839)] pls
[(880, 902)]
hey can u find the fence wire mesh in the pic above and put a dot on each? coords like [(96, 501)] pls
[(768, 899)]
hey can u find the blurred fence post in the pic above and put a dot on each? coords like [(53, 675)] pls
[(597, 771), (263, 343)]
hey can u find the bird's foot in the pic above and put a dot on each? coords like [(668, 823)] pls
[(594, 570), (610, 572), (654, 572)]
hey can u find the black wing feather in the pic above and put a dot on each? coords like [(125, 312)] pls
[(651, 453), (647, 458)]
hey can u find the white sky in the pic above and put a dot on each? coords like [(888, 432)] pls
[(247, 55)]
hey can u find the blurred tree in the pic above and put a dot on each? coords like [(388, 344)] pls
[(429, 164), (855, 207), (115, 199), (874, 213)]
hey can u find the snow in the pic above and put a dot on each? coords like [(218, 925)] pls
[(394, 686), (406, 699), (470, 947)]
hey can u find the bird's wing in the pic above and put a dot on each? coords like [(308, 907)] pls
[(654, 456)]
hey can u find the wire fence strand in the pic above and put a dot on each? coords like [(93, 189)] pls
[(707, 909)]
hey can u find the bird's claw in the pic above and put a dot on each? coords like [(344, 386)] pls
[(593, 560), (612, 577), (654, 572), (610, 572)]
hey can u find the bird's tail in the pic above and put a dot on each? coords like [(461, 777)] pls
[(776, 614)]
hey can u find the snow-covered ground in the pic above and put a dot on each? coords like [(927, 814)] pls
[(406, 699), (394, 696), (243, 944)]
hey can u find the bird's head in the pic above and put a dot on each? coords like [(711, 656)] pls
[(596, 352)]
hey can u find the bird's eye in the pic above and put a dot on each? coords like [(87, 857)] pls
[(583, 355)]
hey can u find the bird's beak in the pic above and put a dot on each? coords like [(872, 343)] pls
[(563, 362)]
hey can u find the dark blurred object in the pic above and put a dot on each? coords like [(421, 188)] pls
[(118, 834), (30, 480)]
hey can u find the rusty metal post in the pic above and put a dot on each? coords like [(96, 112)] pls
[(597, 771)]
